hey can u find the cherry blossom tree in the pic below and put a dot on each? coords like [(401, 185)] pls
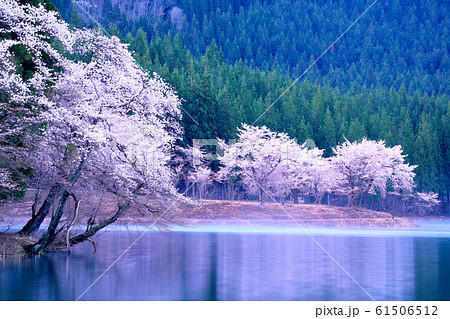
[(6, 182), (426, 202), (319, 177), (370, 167), (256, 158), (27, 70), (191, 165), (293, 173), (200, 172), (109, 124), (118, 124), (202, 176)]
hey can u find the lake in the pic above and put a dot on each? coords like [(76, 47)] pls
[(232, 263)]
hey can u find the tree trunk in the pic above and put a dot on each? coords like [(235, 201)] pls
[(69, 225), (295, 195), (50, 234), (403, 207), (36, 220), (261, 197), (319, 199), (55, 191), (91, 231)]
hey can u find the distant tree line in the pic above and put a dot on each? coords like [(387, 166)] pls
[(271, 166)]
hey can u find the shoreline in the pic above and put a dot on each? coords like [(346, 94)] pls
[(11, 245), (242, 217), (427, 229), (222, 212), (219, 212)]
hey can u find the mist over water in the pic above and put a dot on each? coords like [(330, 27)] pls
[(236, 265)]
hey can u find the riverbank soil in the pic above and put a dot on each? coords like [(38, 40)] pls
[(217, 212), (240, 212), (223, 212), (12, 244)]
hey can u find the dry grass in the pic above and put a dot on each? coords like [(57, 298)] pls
[(12, 244), (229, 212), (239, 212), (217, 212)]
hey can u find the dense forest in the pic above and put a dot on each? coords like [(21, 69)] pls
[(385, 79), (396, 42)]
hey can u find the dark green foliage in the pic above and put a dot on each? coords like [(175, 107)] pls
[(395, 43), (75, 20), (46, 3)]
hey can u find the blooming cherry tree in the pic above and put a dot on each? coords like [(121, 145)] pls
[(256, 158), (109, 124), (202, 176), (295, 171), (25, 32), (319, 178), (370, 167), (426, 202), (119, 124)]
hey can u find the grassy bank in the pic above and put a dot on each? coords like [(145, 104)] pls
[(240, 212), (226, 212), (12, 245), (217, 212)]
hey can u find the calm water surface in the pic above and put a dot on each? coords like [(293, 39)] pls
[(232, 265)]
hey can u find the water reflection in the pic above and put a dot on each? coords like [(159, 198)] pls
[(224, 266)]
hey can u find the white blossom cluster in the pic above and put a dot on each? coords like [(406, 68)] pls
[(101, 112), (269, 163)]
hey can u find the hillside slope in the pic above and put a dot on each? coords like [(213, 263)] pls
[(394, 43)]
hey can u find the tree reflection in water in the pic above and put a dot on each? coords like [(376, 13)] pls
[(234, 266)]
